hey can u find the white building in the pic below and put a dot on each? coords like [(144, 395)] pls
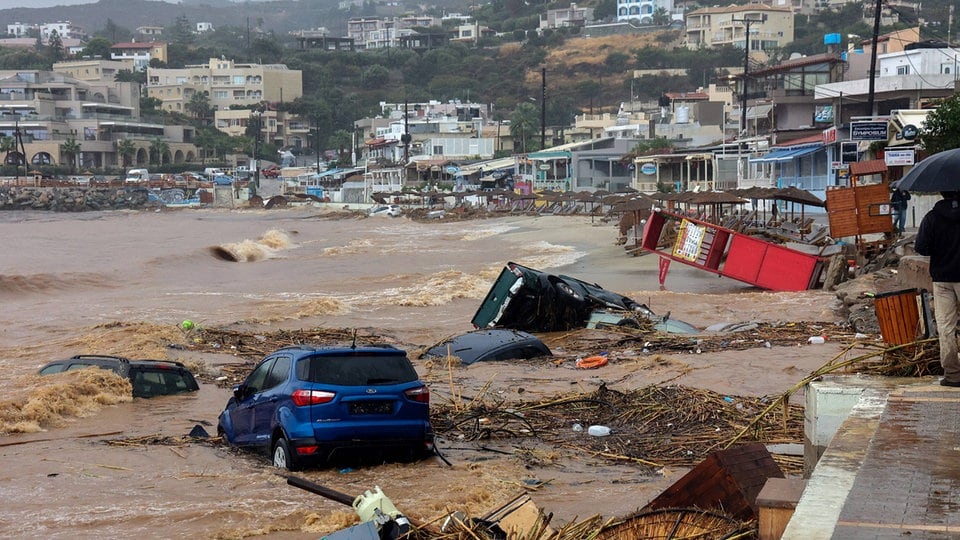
[(641, 11), (204, 27)]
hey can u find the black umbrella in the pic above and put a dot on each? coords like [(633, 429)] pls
[(939, 172)]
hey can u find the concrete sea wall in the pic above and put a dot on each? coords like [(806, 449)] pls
[(71, 199)]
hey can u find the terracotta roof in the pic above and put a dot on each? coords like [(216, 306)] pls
[(873, 166), (787, 65)]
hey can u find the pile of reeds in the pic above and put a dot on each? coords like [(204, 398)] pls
[(655, 426)]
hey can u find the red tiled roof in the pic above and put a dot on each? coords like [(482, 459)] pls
[(873, 166)]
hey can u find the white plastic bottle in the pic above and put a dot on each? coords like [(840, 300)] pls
[(598, 431)]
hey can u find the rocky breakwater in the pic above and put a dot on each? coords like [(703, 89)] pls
[(71, 199)]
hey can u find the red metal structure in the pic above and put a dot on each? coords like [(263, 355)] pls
[(729, 253)]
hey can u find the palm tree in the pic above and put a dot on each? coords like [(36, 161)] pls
[(126, 150), (158, 150), (199, 105), (70, 149), (7, 145)]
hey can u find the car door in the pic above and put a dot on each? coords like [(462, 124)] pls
[(242, 415), (271, 396)]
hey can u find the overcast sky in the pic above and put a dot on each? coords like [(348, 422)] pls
[(7, 4)]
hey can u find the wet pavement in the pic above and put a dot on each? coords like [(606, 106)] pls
[(891, 471)]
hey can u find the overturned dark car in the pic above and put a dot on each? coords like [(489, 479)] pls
[(526, 299)]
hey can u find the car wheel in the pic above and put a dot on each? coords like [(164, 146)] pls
[(282, 456)]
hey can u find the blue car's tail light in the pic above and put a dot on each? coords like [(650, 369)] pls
[(302, 397), (420, 394)]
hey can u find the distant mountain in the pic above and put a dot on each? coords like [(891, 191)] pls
[(276, 16)]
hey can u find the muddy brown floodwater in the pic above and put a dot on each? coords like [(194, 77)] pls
[(76, 461)]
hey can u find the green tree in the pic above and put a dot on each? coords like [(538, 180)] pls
[(180, 31), (126, 75), (55, 47), (524, 124), (70, 149), (7, 146), (941, 129), (114, 32), (158, 150), (661, 17), (205, 140), (98, 46), (126, 150), (199, 105), (341, 140)]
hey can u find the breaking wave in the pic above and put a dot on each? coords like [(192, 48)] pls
[(299, 308), (546, 255), (40, 283), (265, 247), (438, 289), (356, 246), (486, 232), (53, 399)]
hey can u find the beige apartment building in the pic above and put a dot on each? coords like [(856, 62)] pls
[(93, 69), (226, 83), (718, 26)]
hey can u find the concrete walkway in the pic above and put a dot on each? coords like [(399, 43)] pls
[(892, 470)]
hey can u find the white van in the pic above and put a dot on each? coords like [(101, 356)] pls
[(210, 172), (137, 175)]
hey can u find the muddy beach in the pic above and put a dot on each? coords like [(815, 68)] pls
[(84, 460)]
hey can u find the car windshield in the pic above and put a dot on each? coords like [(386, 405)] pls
[(356, 370)]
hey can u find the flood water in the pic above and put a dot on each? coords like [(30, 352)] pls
[(120, 282)]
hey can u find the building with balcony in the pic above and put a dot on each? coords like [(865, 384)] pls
[(910, 79), (380, 33), (859, 52), (771, 27), (642, 11), (570, 16), (93, 69), (227, 84), (43, 109), (140, 52)]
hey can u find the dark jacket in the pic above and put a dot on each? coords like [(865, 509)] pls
[(899, 199), (939, 238)]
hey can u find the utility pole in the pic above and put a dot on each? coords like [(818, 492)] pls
[(543, 108), (746, 69), (316, 126), (871, 106)]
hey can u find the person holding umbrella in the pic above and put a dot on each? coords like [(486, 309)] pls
[(939, 238)]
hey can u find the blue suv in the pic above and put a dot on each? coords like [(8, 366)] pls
[(306, 403)]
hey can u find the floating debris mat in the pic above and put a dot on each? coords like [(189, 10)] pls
[(655, 426), (677, 523)]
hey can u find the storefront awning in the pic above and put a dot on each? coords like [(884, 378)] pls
[(786, 154)]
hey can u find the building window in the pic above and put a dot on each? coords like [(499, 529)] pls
[(903, 70)]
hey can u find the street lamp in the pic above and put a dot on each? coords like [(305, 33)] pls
[(256, 114)]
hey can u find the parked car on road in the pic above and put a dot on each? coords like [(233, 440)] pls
[(305, 403), (149, 378), (392, 210)]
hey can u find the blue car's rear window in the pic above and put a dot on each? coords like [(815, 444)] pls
[(356, 370)]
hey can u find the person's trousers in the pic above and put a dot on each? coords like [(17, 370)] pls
[(946, 296)]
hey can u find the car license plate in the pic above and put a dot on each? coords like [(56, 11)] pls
[(371, 407)]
